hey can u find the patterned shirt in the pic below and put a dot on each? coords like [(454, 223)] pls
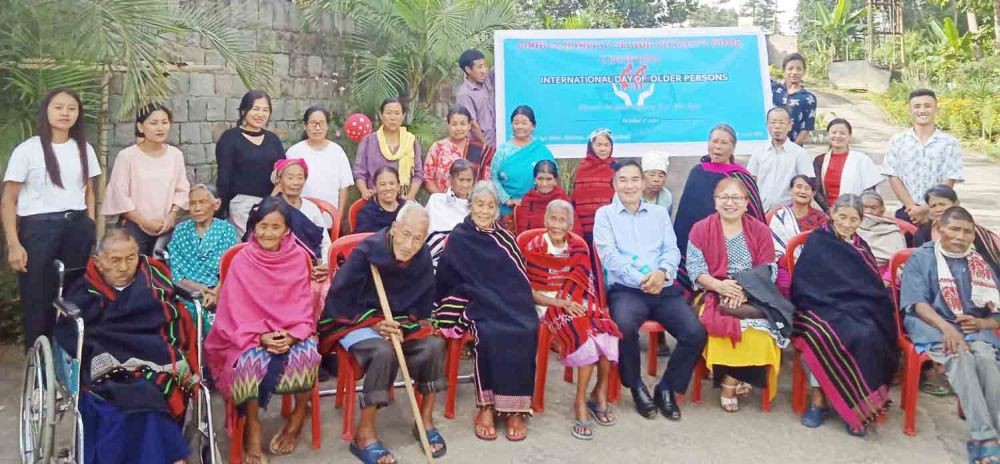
[(921, 166), (197, 258), (438, 162), (740, 259), (801, 107)]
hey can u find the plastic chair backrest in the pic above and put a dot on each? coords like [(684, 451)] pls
[(334, 216), (342, 248), (227, 259), (793, 247), (352, 214), (896, 262)]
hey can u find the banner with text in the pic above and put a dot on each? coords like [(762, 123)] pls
[(655, 89)]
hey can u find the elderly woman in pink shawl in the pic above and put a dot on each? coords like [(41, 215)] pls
[(264, 338)]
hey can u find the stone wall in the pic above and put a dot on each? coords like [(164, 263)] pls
[(307, 71)]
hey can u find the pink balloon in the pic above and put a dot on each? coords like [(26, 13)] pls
[(357, 126)]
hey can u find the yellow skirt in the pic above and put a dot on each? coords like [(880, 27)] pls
[(755, 348)]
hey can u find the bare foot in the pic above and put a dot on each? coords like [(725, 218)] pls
[(252, 453), (285, 441)]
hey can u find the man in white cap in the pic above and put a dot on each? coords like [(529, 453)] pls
[(654, 173)]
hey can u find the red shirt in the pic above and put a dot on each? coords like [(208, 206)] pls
[(831, 178)]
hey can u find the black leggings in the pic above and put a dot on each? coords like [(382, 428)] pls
[(67, 236)]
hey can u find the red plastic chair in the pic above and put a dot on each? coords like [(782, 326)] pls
[(544, 337), (352, 213), (348, 371), (912, 361), (334, 214), (799, 378), (233, 417), (652, 328), (451, 363)]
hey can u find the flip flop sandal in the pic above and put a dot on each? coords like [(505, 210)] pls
[(262, 459), (484, 436), (743, 390), (371, 453), (582, 430), (935, 389), (729, 405), (601, 415), (975, 450), (511, 437), (272, 447), (433, 438), (989, 453)]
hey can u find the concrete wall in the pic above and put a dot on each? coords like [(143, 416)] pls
[(307, 70)]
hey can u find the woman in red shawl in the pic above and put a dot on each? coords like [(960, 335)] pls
[(562, 283), (530, 214), (592, 187), (264, 338)]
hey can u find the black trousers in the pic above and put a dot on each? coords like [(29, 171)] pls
[(631, 307), (67, 236)]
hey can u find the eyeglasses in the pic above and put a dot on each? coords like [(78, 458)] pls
[(317, 124), (730, 198)]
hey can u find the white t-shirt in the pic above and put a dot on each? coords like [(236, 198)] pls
[(38, 194), (774, 169), (329, 171)]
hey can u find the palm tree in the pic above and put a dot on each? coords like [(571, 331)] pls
[(410, 47), (83, 43)]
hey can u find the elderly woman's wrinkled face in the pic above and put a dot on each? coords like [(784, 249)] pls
[(845, 221), (601, 146), (202, 206), (731, 202), (721, 147), (557, 224), (387, 188), (461, 183), (291, 180), (873, 206), (545, 182), (270, 231), (937, 206), (483, 209), (655, 179), (802, 193), (118, 262)]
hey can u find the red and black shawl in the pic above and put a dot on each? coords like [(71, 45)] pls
[(592, 189), (530, 214), (571, 277), (145, 321)]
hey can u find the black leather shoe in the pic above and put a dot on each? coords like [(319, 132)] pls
[(644, 404), (667, 404)]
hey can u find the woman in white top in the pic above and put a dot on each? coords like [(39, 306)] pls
[(148, 186), (48, 206), (840, 170), (331, 174), (449, 208)]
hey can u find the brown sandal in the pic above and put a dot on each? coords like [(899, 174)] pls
[(512, 431), (482, 430)]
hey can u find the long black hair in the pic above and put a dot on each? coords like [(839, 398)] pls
[(267, 206), (44, 131), (246, 104)]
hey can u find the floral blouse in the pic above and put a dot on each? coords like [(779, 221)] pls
[(439, 160)]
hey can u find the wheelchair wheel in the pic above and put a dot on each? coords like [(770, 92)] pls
[(38, 397)]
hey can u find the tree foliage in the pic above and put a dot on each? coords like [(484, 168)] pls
[(78, 43)]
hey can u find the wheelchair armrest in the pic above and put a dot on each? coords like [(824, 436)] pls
[(67, 308), (187, 291)]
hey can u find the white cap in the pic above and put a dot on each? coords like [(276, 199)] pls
[(655, 161)]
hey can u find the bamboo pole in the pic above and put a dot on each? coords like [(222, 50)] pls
[(397, 345)]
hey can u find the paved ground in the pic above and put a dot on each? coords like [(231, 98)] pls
[(707, 434)]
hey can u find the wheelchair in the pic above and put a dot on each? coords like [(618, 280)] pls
[(51, 392)]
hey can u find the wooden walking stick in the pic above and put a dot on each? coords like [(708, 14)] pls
[(398, 346)]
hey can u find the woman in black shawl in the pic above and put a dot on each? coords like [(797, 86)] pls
[(844, 323), (482, 286)]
